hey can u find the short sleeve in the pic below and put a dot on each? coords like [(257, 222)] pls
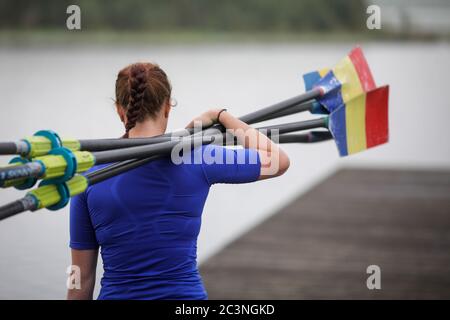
[(82, 233), (230, 165)]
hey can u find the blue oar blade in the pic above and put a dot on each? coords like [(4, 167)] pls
[(310, 79), (331, 87), (337, 127)]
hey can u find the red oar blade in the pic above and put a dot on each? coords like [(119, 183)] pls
[(361, 123), (350, 78)]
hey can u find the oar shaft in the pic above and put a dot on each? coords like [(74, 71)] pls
[(8, 148), (28, 203), (307, 106), (121, 167), (298, 126), (283, 108), (35, 169), (310, 137), (110, 144), (147, 150), (280, 106), (263, 114), (29, 170), (16, 207), (19, 147), (117, 168), (11, 209)]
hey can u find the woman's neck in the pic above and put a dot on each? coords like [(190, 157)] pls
[(148, 128)]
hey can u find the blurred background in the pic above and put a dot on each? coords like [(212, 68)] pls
[(309, 234)]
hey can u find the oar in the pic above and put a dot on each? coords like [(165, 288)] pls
[(55, 166), (358, 121), (359, 125), (310, 80), (43, 166), (109, 144), (48, 196), (349, 78), (55, 196), (120, 167), (307, 106), (39, 144)]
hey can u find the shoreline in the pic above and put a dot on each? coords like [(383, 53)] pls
[(101, 38)]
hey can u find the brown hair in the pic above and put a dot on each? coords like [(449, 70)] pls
[(142, 89)]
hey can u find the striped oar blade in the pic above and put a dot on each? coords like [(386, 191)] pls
[(350, 78), (361, 123), (311, 79)]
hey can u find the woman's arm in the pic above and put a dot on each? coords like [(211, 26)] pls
[(274, 161), (86, 261)]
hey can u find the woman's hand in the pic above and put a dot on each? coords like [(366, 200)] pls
[(206, 119)]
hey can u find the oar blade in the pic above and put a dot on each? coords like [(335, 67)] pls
[(311, 79), (362, 123), (350, 78)]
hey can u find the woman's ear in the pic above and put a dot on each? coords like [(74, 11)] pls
[(167, 108), (121, 112)]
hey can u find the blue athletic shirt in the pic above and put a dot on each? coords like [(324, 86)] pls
[(146, 222)]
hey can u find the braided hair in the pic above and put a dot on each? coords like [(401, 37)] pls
[(142, 89)]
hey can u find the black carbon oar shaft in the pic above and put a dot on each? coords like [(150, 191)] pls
[(110, 144), (16, 207), (147, 150), (273, 109), (32, 169), (28, 203), (315, 136), (298, 126), (8, 148), (307, 106), (11, 209), (310, 137), (270, 112), (290, 106), (117, 168)]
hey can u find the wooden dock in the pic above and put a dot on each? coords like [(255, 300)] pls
[(319, 246)]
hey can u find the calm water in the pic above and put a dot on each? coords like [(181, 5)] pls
[(70, 90)]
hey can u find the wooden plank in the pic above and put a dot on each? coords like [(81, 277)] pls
[(319, 246)]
